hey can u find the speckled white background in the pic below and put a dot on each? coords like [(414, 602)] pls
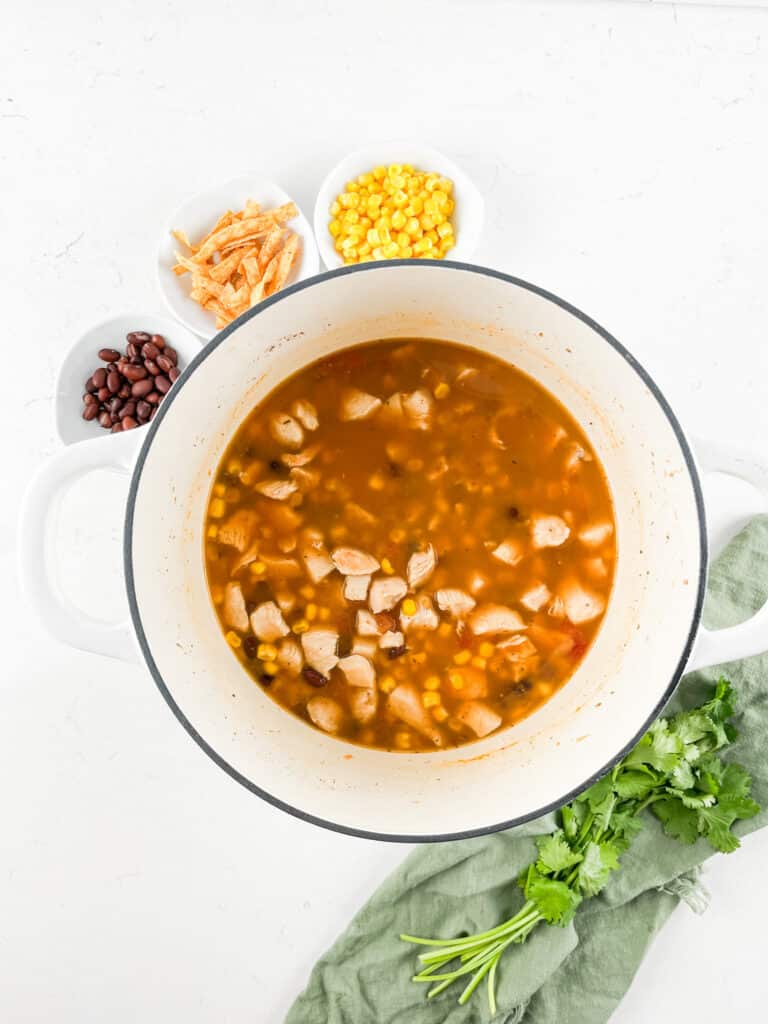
[(622, 150)]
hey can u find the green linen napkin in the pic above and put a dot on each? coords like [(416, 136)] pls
[(572, 975)]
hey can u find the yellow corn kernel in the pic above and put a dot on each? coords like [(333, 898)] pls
[(219, 490), (456, 679), (432, 236), (430, 700), (462, 658), (486, 649), (445, 245), (387, 684), (403, 238), (432, 683), (324, 614), (217, 593), (442, 390), (399, 220), (430, 207), (427, 222), (417, 205), (432, 182), (445, 230), (446, 185), (413, 227), (363, 250), (450, 206), (266, 652), (409, 606), (337, 245), (387, 567), (376, 482), (335, 208), (271, 668), (352, 186), (310, 612), (444, 629), (351, 217), (300, 626), (257, 568), (233, 639), (307, 591), (379, 173), (440, 714), (213, 531), (365, 179), (419, 658), (372, 237), (397, 536), (406, 252), (402, 740), (335, 228), (422, 246), (399, 199), (217, 508), (487, 491), (392, 250), (479, 662)]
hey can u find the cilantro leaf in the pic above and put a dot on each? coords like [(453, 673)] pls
[(691, 798), (682, 776), (735, 781), (680, 822), (715, 823), (573, 816), (600, 859), (634, 785), (555, 901), (555, 854), (659, 748)]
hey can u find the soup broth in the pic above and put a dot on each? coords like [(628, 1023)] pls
[(410, 545)]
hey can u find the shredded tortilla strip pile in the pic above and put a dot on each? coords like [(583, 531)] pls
[(246, 257)]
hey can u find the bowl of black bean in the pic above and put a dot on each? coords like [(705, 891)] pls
[(116, 375)]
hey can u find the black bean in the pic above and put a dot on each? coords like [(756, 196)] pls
[(394, 469), (141, 388), (116, 428), (124, 391), (99, 377), (150, 351), (313, 677), (105, 419), (103, 394), (172, 354), (131, 350), (159, 340), (90, 412), (138, 337), (164, 363), (90, 399), (345, 645), (174, 373), (114, 404), (250, 646), (143, 409), (129, 423), (162, 384), (396, 652), (90, 386), (153, 397), (513, 512), (129, 409), (108, 355), (276, 465), (134, 373), (151, 367), (113, 382), (265, 679)]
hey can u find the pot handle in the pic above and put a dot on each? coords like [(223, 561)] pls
[(717, 646), (58, 616)]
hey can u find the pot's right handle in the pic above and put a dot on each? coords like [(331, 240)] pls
[(58, 616), (717, 646)]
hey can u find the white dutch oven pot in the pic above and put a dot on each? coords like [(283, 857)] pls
[(651, 630)]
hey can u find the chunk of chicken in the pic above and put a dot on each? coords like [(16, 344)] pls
[(356, 587), (238, 531), (405, 704), (595, 534), (287, 431), (280, 567), (300, 458), (234, 610), (353, 562), (305, 413), (286, 601), (420, 566), (319, 647), (574, 458), (392, 639), (363, 704), (478, 717), (326, 713), (357, 405), (366, 624), (425, 616), (317, 561), (385, 592), (518, 658), (581, 605), (536, 597), (267, 622), (358, 671), (495, 619), (510, 551), (417, 407), (556, 609), (306, 480), (364, 645), (477, 582), (549, 531), (277, 490), (289, 657), (457, 603)]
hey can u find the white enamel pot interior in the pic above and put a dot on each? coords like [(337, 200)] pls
[(621, 685)]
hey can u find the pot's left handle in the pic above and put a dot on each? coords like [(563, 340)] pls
[(717, 646), (58, 616)]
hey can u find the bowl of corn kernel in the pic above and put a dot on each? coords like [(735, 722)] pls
[(397, 200)]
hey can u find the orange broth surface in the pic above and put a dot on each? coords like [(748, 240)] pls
[(410, 545)]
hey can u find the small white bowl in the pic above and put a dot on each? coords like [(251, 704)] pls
[(468, 214), (196, 217), (83, 358)]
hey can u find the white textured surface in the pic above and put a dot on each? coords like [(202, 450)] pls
[(621, 149)]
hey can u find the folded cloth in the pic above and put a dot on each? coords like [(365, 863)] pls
[(572, 975)]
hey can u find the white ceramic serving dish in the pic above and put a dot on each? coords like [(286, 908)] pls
[(197, 216), (83, 358), (650, 634), (467, 217)]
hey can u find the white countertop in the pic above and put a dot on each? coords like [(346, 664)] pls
[(622, 151)]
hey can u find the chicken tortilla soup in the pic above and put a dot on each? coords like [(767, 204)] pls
[(410, 545)]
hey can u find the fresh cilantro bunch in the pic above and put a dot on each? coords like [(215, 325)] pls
[(675, 772)]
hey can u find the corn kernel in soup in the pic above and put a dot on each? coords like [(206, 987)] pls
[(411, 545)]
